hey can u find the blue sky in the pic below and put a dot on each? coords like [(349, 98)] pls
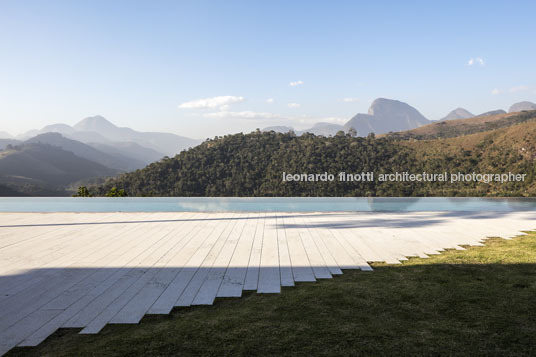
[(147, 65)]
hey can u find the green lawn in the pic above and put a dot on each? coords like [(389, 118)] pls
[(481, 301)]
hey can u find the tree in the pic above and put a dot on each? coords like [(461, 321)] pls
[(83, 192), (352, 132), (114, 192)]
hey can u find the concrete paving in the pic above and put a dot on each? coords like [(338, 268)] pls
[(86, 270)]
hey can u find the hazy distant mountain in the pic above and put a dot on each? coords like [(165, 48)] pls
[(325, 129), (89, 137), (68, 132), (59, 155), (492, 112), (130, 150), (517, 107), (47, 163), (4, 135), (100, 125), (321, 128), (116, 160), (47, 166), (279, 129), (458, 113), (28, 134), (58, 128), (168, 144), (99, 130), (386, 115)]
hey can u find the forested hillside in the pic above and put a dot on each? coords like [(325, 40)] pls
[(253, 165)]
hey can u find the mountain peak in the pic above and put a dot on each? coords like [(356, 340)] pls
[(517, 107), (383, 107), (458, 113), (492, 112), (322, 124), (279, 129), (385, 115), (49, 134), (95, 123), (381, 104)]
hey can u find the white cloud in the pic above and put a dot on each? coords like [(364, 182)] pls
[(214, 102), (518, 89), (350, 100), (476, 61), (270, 100), (242, 115), (293, 105), (495, 91), (296, 83)]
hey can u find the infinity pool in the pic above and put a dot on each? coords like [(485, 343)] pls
[(235, 204)]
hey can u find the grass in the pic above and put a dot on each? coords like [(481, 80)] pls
[(481, 301)]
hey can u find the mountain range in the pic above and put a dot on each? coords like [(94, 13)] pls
[(46, 161), (106, 157), (461, 113), (250, 165), (58, 157), (98, 130), (384, 115), (388, 115)]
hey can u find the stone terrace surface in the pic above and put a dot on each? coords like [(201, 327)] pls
[(86, 270)]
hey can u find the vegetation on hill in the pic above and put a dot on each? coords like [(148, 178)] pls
[(454, 128), (510, 149), (253, 165), (82, 192), (6, 191)]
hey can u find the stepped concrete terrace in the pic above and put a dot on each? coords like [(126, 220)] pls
[(86, 270)]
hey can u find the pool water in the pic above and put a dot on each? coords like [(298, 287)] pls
[(264, 204)]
